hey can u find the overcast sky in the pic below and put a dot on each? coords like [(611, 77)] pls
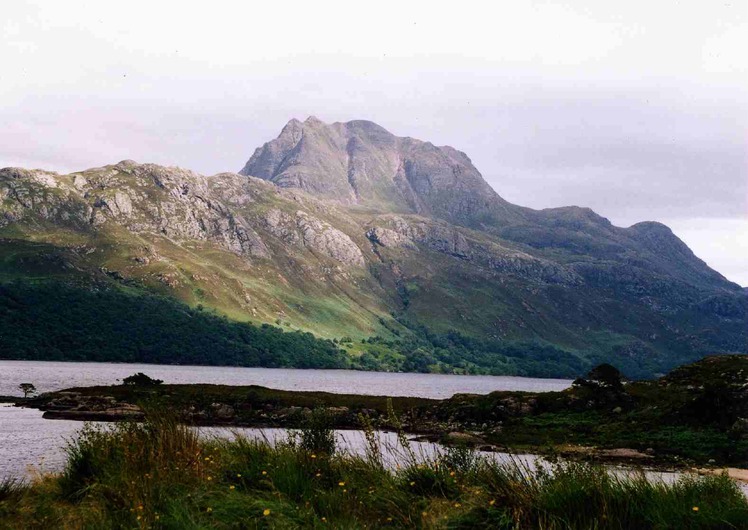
[(638, 109)]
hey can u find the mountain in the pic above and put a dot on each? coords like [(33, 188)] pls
[(396, 248), (360, 163)]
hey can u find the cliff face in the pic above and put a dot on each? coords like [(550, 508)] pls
[(348, 230), (360, 163)]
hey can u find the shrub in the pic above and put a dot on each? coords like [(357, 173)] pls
[(140, 379), (317, 434)]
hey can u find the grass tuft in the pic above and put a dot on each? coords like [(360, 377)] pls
[(160, 474)]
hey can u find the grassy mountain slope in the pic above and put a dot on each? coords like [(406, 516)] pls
[(457, 279)]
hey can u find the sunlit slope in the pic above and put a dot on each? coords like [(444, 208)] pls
[(254, 251)]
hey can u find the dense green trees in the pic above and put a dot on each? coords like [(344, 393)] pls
[(423, 350), (66, 322), (56, 321)]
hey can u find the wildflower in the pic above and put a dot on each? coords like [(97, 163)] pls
[(345, 491), (210, 478), (238, 475), (157, 517), (208, 509), (341, 484), (491, 502), (232, 487), (314, 456), (264, 472), (451, 473), (266, 512), (138, 518), (457, 505), (389, 519), (413, 483), (695, 508), (318, 475), (140, 507), (324, 519)]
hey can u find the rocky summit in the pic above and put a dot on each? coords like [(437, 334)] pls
[(396, 248)]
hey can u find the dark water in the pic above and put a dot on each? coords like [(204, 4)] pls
[(49, 376)]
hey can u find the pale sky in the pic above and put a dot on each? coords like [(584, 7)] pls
[(636, 109)]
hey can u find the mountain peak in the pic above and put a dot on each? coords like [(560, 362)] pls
[(361, 163)]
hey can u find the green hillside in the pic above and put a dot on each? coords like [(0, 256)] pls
[(410, 262)]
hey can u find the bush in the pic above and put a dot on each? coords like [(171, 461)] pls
[(317, 435), (162, 475), (140, 379)]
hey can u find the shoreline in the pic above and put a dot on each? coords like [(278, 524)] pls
[(650, 424)]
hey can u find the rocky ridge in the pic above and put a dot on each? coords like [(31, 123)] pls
[(347, 230)]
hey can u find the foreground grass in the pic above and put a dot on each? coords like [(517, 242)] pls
[(160, 474)]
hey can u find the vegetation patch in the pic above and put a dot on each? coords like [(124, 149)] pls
[(161, 474), (667, 422)]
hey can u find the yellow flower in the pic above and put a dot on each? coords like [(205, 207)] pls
[(457, 505), (341, 484), (345, 491), (324, 519), (238, 475), (413, 483), (695, 508), (492, 502), (451, 473), (138, 518), (140, 507), (157, 517), (264, 472), (208, 509), (389, 518), (210, 478), (318, 475), (314, 456), (266, 512), (232, 487)]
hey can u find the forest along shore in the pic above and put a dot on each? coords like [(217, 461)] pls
[(697, 415)]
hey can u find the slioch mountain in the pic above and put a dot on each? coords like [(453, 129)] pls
[(394, 247)]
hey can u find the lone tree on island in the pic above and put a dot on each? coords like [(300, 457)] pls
[(27, 389)]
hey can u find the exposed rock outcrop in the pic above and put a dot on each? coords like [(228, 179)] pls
[(359, 162), (347, 226)]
